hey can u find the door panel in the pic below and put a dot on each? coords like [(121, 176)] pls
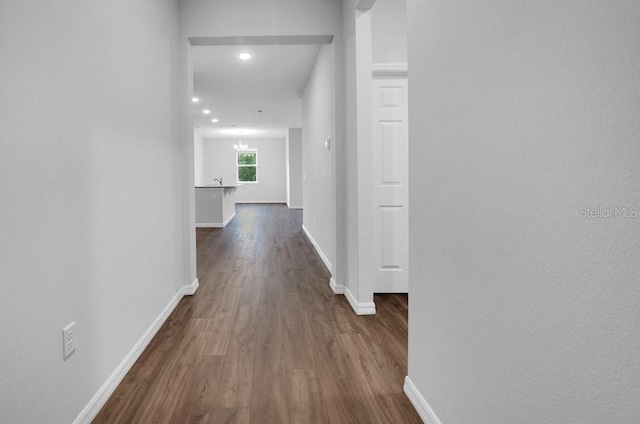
[(391, 133), (392, 223), (390, 190)]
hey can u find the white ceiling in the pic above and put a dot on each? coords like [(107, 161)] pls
[(233, 90)]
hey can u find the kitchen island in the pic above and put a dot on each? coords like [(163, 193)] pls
[(215, 205)]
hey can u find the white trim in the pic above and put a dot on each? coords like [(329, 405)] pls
[(418, 402), (216, 224), (224, 224), (294, 206), (387, 70), (102, 396), (192, 288), (324, 257), (363, 281), (335, 287), (368, 308), (261, 201)]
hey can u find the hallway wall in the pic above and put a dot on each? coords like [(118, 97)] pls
[(318, 161), (91, 188), (347, 156), (523, 309), (293, 145), (389, 31), (198, 160)]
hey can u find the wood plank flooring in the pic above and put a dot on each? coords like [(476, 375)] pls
[(265, 341)]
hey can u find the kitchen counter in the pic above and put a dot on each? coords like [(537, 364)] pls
[(215, 205)]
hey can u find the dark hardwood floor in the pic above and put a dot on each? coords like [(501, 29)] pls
[(265, 341)]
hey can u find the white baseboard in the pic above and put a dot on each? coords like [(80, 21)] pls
[(368, 308), (102, 396), (418, 402), (294, 207), (318, 249), (224, 224), (335, 287), (192, 288), (215, 224)]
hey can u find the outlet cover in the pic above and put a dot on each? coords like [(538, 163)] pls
[(68, 340)]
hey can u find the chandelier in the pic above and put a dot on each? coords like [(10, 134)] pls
[(240, 146)]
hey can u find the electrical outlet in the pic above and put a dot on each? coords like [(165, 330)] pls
[(69, 340)]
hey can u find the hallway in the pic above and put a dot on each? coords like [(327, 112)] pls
[(264, 340)]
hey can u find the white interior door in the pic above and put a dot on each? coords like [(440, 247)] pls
[(390, 191)]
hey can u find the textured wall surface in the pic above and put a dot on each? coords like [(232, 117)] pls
[(389, 31), (524, 310), (294, 167), (90, 187), (198, 160), (347, 156), (317, 161), (258, 17)]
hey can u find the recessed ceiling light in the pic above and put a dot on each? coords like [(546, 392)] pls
[(206, 111), (214, 120), (195, 99), (244, 55)]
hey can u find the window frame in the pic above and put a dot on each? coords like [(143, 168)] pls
[(238, 165)]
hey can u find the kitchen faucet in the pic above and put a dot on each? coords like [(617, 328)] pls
[(219, 180)]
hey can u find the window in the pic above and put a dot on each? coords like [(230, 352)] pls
[(247, 166)]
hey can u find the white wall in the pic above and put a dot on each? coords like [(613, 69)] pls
[(522, 311), (91, 188), (354, 160), (205, 18), (347, 155), (198, 160), (317, 162), (293, 146), (220, 161), (389, 31)]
